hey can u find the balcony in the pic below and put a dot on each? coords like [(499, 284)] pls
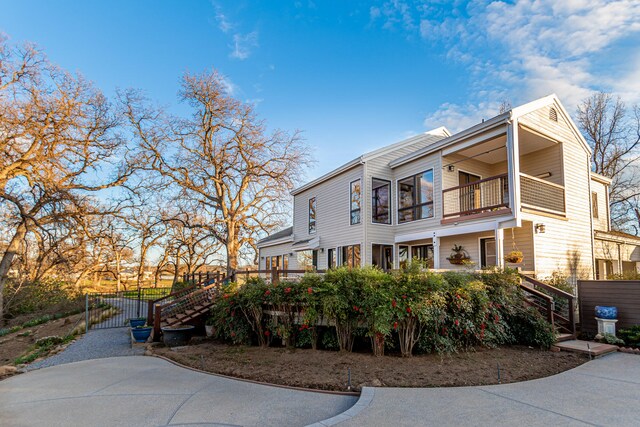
[(487, 196), (490, 196)]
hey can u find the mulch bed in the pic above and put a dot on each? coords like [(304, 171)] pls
[(327, 370)]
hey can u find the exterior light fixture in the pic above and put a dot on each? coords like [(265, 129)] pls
[(540, 228)]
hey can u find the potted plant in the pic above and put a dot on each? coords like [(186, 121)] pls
[(137, 321), (514, 257), (458, 255), (141, 333)]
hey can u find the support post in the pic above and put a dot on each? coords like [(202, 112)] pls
[(86, 313), (499, 247), (436, 253), (274, 275), (150, 312)]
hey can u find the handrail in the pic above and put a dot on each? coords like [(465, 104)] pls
[(537, 293), (549, 288), (491, 178)]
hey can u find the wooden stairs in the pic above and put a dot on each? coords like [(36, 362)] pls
[(556, 305), (183, 306)]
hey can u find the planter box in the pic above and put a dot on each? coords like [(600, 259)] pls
[(176, 337)]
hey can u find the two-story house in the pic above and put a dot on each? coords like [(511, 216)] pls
[(520, 181)]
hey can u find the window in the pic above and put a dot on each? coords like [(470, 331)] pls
[(423, 253), (415, 197), (331, 258), (306, 259), (403, 256), (351, 256), (312, 215), (275, 262), (355, 202), (380, 196), (267, 263), (594, 204), (285, 264)]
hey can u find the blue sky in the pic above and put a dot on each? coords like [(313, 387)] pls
[(353, 75)]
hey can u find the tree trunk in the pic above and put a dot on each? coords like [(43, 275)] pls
[(7, 259), (232, 255)]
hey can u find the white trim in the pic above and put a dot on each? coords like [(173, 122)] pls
[(312, 244), (433, 198), (276, 242), (601, 178), (350, 165), (472, 142), (480, 239), (390, 181)]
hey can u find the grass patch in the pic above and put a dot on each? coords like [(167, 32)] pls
[(42, 348)]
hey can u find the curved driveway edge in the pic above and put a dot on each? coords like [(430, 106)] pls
[(605, 391), (148, 391)]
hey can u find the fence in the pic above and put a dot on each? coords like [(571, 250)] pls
[(242, 276), (624, 294), (114, 309)]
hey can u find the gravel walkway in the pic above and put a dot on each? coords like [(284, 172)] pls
[(99, 343)]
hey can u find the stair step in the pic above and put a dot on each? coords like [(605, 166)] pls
[(585, 347)]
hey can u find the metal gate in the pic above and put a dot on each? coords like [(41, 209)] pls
[(114, 309)]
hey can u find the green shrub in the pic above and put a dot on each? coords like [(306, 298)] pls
[(630, 336), (46, 295)]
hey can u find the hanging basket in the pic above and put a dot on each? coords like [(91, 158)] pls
[(514, 257), (458, 261)]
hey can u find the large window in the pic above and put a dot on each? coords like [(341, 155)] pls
[(423, 253), (415, 197), (351, 256), (312, 215), (403, 256), (355, 196), (380, 197)]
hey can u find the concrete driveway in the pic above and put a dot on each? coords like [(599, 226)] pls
[(605, 392), (147, 391)]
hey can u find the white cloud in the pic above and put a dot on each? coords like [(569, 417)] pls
[(243, 45), (457, 117), (526, 49)]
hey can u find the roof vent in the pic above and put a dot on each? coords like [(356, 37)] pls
[(553, 114)]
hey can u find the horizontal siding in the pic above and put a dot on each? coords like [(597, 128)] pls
[(542, 161), (521, 239), (278, 250), (566, 244), (332, 214), (624, 294)]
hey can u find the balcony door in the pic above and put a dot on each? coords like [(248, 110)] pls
[(469, 195), (488, 256)]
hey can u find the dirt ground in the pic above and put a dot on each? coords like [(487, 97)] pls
[(328, 370), (16, 344)]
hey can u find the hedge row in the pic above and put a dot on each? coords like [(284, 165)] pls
[(412, 310)]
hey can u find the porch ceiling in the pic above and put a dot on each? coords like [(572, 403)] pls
[(492, 151), (532, 141)]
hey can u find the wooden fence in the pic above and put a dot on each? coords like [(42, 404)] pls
[(624, 294)]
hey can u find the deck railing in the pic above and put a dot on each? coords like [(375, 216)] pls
[(485, 195), (538, 194)]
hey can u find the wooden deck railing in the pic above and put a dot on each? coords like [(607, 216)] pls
[(561, 311), (485, 195)]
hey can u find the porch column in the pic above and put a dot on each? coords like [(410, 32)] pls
[(436, 253), (513, 165), (500, 247)]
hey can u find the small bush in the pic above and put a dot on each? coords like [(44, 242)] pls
[(630, 336)]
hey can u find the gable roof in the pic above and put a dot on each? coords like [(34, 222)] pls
[(435, 135), (496, 121), (282, 234)]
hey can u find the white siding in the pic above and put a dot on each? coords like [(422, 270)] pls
[(602, 221), (277, 250), (332, 214), (566, 244)]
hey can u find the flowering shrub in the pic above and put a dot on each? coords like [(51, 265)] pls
[(411, 310)]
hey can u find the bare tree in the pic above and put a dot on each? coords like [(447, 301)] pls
[(222, 159), (614, 137), (58, 134)]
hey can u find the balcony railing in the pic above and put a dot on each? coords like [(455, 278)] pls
[(486, 195), (538, 194)]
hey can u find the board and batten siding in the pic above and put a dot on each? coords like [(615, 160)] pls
[(566, 244), (333, 225), (378, 167)]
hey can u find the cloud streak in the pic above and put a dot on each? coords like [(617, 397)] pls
[(527, 49), (241, 44)]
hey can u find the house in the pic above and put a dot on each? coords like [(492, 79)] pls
[(520, 181)]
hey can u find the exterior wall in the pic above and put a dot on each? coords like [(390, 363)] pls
[(473, 166), (566, 244), (523, 237), (378, 167), (278, 250), (546, 160), (602, 222), (332, 214), (469, 242), (623, 294)]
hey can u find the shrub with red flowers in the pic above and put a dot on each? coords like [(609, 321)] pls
[(424, 311)]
